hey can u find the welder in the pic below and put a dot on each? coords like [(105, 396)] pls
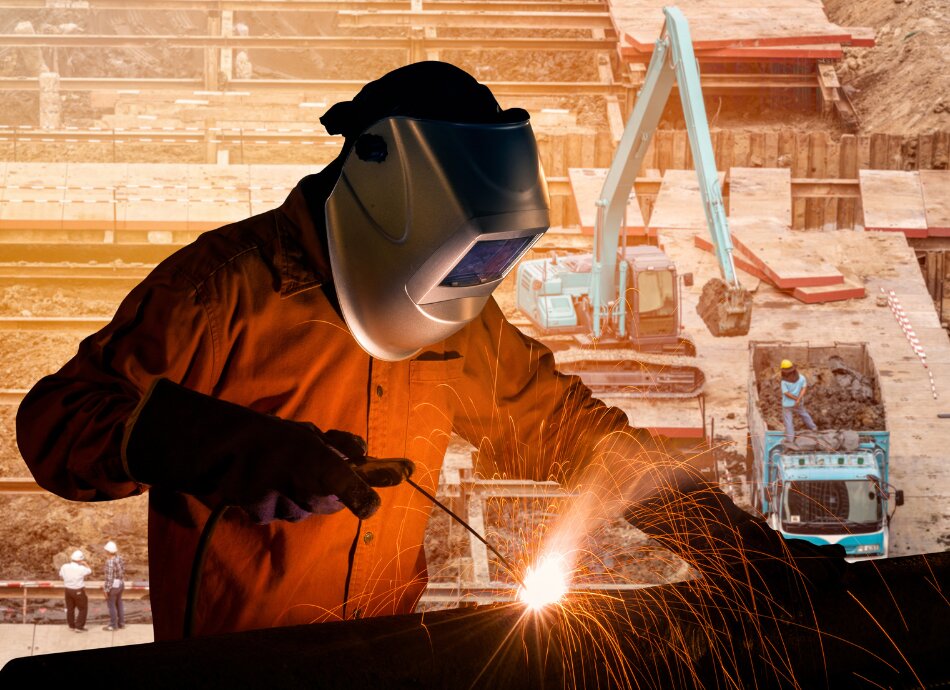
[(281, 376)]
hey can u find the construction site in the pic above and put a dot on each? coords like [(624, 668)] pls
[(805, 165)]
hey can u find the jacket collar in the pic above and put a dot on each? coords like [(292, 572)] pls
[(303, 260)]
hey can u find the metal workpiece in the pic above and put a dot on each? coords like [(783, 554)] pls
[(884, 627)]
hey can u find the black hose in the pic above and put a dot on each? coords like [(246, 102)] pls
[(197, 564)]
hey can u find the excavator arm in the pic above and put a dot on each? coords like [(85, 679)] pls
[(726, 305)]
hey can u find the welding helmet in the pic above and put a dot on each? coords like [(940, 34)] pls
[(435, 203), (77, 555), (787, 364)]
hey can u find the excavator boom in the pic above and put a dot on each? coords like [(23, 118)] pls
[(725, 306)]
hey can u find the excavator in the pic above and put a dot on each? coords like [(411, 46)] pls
[(630, 296)]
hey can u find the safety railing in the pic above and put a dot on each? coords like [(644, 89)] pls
[(24, 591)]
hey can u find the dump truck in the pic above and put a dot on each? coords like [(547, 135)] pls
[(830, 486)]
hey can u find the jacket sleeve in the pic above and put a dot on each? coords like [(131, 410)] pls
[(527, 419), (71, 424)]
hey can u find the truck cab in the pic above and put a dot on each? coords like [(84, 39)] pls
[(830, 497)]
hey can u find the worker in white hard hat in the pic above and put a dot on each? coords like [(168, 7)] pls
[(113, 582), (74, 574), (794, 386)]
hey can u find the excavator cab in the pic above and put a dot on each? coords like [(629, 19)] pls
[(652, 298)]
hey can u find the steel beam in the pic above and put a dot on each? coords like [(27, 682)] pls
[(83, 324), (884, 626), (99, 252), (20, 485), (513, 488), (11, 396), (805, 188), (341, 87), (711, 84), (53, 590), (467, 20), (301, 42), (304, 5)]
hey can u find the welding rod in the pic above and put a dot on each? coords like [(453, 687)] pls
[(469, 528)]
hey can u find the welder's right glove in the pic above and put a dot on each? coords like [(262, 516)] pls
[(227, 454), (702, 525)]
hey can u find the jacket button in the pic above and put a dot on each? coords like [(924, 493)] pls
[(379, 391), (368, 537)]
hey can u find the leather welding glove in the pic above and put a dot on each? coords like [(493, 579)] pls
[(227, 454), (702, 525)]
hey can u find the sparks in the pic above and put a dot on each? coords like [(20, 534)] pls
[(546, 583)]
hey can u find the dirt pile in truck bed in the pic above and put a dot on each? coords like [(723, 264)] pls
[(837, 398)]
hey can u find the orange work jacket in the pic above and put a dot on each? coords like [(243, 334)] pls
[(241, 314)]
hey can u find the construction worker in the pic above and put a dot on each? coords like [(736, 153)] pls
[(73, 575), (794, 386), (311, 358), (113, 584)]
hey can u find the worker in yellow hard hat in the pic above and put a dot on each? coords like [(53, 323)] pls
[(794, 386)]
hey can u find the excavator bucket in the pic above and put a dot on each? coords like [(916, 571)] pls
[(726, 310)]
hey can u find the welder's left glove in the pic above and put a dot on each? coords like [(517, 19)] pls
[(702, 525), (226, 454)]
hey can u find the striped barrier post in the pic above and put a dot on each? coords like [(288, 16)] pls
[(894, 303)]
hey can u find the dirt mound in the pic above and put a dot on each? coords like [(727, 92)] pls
[(902, 84), (837, 398)]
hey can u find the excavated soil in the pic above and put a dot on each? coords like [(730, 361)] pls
[(27, 357), (21, 300), (902, 84), (834, 401)]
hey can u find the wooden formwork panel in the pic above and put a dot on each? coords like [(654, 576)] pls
[(844, 290), (679, 203), (849, 289), (90, 193), (153, 199), (217, 195), (935, 186), (893, 200), (723, 25), (788, 259), (586, 186), (679, 418), (33, 196), (760, 196)]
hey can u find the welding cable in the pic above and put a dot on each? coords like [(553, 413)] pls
[(464, 524), (197, 564)]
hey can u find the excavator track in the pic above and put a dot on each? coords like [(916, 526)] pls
[(633, 375)]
